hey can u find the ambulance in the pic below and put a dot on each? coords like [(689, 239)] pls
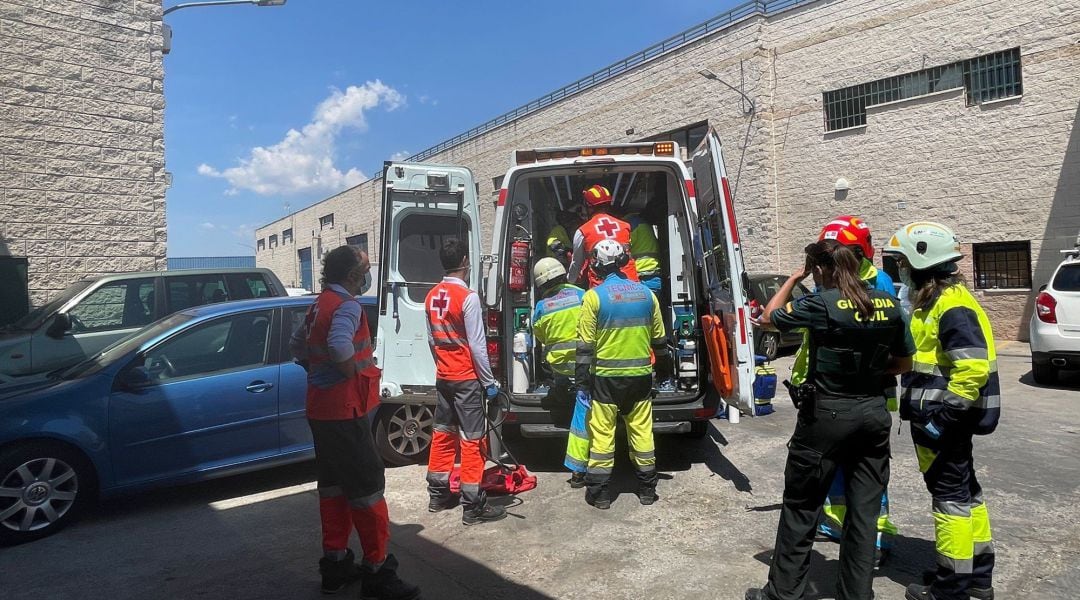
[(704, 294)]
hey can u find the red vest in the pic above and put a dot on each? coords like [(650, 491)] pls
[(606, 227), (330, 395), (445, 305)]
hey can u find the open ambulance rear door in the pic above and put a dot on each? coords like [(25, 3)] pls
[(719, 257), (423, 206)]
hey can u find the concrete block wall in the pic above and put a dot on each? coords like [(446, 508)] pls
[(1001, 172), (82, 155)]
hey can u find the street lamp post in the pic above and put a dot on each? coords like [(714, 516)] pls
[(223, 3)]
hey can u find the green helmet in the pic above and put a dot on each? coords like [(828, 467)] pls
[(925, 245)]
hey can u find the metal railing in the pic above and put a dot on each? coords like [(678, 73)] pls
[(721, 21)]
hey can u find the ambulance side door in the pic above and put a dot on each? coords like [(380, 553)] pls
[(720, 260), (423, 206)]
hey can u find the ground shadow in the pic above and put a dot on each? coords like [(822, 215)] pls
[(1066, 380)]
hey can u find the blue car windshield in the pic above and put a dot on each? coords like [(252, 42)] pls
[(123, 347)]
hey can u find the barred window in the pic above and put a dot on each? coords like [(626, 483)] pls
[(1002, 265), (984, 78)]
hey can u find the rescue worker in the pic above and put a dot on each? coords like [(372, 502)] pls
[(554, 325), (645, 249), (602, 225), (952, 394), (559, 245), (462, 380), (857, 335), (619, 329), (334, 346), (854, 233)]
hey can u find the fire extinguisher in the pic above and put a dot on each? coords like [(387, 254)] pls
[(519, 265)]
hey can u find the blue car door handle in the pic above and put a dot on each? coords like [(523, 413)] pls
[(257, 387)]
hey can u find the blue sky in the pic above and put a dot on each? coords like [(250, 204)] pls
[(288, 105)]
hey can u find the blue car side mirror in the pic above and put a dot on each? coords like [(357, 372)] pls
[(135, 377)]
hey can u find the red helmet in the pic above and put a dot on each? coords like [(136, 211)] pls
[(849, 231), (597, 195)]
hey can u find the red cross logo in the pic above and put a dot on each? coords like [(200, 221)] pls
[(607, 228), (440, 304)]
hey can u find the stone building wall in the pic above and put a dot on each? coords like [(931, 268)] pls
[(82, 155), (1008, 171)]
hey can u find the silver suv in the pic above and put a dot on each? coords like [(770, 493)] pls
[(93, 313)]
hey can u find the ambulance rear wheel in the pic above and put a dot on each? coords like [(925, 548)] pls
[(403, 433)]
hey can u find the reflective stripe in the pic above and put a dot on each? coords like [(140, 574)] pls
[(438, 477), (955, 509), (472, 435), (962, 566), (643, 455), (967, 354), (571, 345), (365, 363), (366, 501), (988, 402), (624, 322), (984, 548), (579, 464), (586, 347), (584, 359), (623, 363), (445, 428), (598, 456), (595, 470), (645, 468), (331, 491)]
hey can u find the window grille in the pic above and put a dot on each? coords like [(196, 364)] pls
[(1004, 265), (984, 79)]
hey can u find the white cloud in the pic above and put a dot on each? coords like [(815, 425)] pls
[(208, 226), (304, 160), (401, 155)]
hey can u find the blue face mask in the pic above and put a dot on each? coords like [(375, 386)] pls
[(364, 287)]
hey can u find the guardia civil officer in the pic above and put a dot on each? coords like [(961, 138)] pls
[(952, 394), (856, 336)]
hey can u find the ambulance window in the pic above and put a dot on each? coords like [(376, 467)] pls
[(421, 236)]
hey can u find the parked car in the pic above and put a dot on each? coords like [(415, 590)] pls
[(93, 313), (769, 341), (1055, 324), (205, 392)]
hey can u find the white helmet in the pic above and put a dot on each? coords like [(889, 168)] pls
[(607, 253), (925, 245), (547, 270)]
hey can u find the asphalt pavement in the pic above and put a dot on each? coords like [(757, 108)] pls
[(710, 535)]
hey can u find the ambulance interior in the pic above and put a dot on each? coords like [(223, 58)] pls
[(539, 200)]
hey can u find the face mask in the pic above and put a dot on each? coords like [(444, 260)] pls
[(366, 285), (905, 276)]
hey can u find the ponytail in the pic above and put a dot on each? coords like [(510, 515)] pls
[(843, 266)]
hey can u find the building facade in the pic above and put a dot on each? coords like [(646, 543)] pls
[(960, 111), (82, 154)]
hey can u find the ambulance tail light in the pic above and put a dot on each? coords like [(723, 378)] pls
[(494, 348), (494, 322)]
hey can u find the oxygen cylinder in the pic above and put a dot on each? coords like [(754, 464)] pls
[(520, 381), (519, 266), (688, 364)]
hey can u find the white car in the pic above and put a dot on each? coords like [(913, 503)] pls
[(1055, 324)]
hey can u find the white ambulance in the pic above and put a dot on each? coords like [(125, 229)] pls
[(704, 294)]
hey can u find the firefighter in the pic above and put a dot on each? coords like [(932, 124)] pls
[(857, 335), (559, 245), (602, 225), (555, 326), (620, 327), (952, 394), (462, 381), (334, 346), (854, 233)]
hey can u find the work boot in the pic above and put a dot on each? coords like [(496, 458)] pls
[(577, 481), (599, 500), (440, 504), (981, 593), (919, 592), (338, 574), (757, 594), (384, 584), (485, 514), (647, 495), (880, 556)]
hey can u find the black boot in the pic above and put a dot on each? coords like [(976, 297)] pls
[(384, 584), (599, 499), (338, 574), (577, 481), (440, 504), (485, 514), (757, 594), (647, 495), (919, 592), (981, 593)]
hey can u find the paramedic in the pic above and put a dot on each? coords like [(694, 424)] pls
[(619, 329), (555, 326), (645, 249), (952, 394), (462, 380), (857, 335), (854, 233), (334, 347), (602, 225)]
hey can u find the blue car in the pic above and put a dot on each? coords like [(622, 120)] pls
[(205, 392)]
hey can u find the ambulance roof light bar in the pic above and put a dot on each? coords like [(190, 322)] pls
[(522, 157)]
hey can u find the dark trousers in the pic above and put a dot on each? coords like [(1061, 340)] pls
[(841, 433), (460, 428), (963, 542), (351, 481)]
